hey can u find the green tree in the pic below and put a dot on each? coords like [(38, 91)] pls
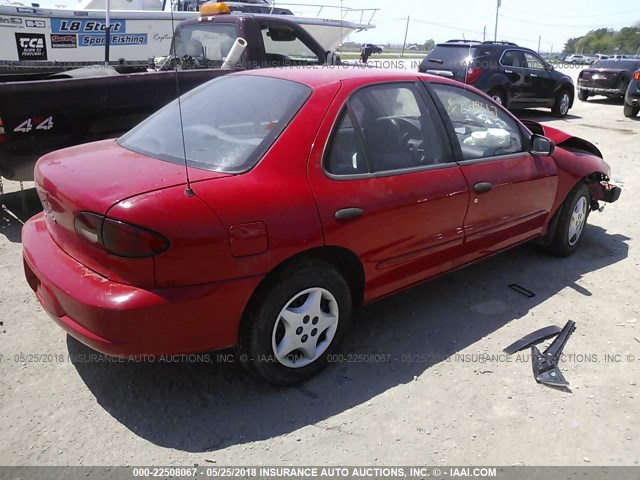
[(429, 45), (606, 41)]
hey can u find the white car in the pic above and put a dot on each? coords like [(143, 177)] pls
[(580, 59)]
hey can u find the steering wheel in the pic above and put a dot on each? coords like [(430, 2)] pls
[(188, 61), (403, 128)]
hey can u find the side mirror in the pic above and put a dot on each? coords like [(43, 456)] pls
[(550, 68), (541, 146)]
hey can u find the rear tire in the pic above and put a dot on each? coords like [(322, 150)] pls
[(562, 104), (573, 219), (583, 95), (294, 323), (631, 111), (498, 96)]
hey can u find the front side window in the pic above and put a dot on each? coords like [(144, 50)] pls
[(533, 61), (227, 124), (482, 128), (385, 128), (283, 47)]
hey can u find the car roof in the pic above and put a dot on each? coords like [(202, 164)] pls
[(319, 76)]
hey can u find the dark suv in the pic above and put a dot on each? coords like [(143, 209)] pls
[(513, 76), (632, 97)]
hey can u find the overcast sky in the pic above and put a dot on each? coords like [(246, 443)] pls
[(520, 21)]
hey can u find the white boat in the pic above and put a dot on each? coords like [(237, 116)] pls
[(33, 37)]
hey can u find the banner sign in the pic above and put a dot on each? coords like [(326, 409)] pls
[(64, 41), (91, 32), (31, 46)]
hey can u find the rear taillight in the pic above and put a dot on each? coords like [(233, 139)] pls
[(473, 74), (3, 137), (636, 75), (119, 238), (1, 127)]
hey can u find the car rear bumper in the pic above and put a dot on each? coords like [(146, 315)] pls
[(601, 91), (124, 321)]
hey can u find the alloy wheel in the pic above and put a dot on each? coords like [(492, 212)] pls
[(578, 220), (305, 327)]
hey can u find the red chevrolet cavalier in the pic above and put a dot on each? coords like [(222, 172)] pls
[(277, 200)]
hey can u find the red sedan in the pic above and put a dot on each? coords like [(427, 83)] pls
[(263, 207)]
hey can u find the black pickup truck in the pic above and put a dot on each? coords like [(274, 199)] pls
[(77, 106)]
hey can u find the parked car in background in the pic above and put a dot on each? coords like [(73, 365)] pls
[(632, 96), (580, 59), (606, 77), (513, 76), (600, 56), (260, 220), (371, 48)]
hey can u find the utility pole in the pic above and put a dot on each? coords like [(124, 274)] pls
[(539, 39), (484, 34), (495, 34), (406, 32)]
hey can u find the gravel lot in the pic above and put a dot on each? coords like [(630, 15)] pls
[(435, 402)]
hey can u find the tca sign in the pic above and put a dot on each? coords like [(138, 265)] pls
[(31, 46)]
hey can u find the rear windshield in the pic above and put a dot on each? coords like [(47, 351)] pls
[(228, 123), (622, 64), (210, 41), (454, 56)]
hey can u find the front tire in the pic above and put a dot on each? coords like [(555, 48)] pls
[(294, 323), (631, 111), (573, 219), (562, 104)]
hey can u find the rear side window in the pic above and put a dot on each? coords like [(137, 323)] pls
[(385, 128), (513, 58), (483, 129), (228, 124)]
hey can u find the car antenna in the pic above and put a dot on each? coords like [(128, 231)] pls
[(188, 191)]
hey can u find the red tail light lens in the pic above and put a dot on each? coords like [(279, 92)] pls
[(636, 75), (473, 74), (126, 240), (119, 238)]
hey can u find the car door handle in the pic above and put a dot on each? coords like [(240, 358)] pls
[(534, 75), (348, 214), (482, 187), (508, 71)]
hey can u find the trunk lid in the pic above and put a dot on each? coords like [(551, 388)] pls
[(600, 77), (92, 178)]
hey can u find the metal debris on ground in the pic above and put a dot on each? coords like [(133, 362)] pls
[(532, 339), (522, 290), (545, 365)]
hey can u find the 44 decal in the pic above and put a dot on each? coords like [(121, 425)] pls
[(36, 123)]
